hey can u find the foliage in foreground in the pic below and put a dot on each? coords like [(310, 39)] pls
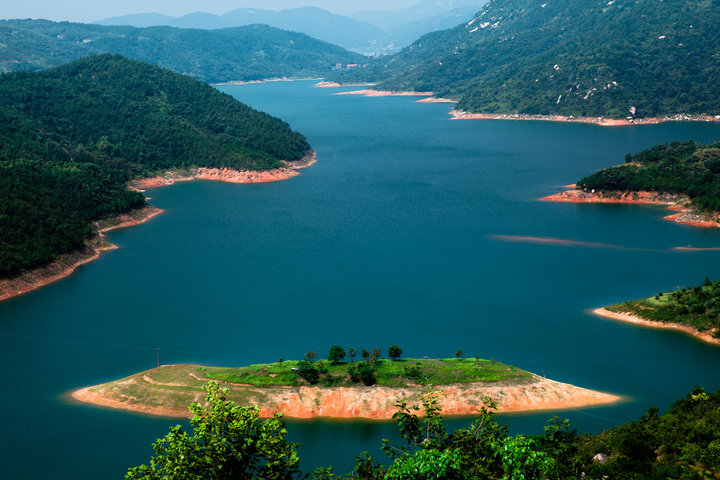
[(230, 442), (687, 167), (698, 307)]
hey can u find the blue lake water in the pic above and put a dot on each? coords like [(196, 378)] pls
[(394, 236)]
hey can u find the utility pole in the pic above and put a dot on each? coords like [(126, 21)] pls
[(426, 359)]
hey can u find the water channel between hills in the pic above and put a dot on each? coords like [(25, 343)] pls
[(392, 237)]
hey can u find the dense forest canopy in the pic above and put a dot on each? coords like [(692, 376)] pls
[(585, 58), (241, 53), (679, 167), (72, 136)]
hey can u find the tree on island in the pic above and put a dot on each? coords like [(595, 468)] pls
[(394, 352), (351, 352), (336, 354), (228, 441)]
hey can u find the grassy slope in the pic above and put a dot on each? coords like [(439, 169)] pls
[(697, 307), (389, 373)]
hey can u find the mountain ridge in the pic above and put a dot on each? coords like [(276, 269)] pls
[(254, 52), (614, 58)]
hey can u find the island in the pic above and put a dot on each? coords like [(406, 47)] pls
[(683, 176), (79, 144), (367, 389), (691, 310)]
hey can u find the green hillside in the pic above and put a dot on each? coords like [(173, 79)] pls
[(679, 167), (583, 58), (72, 136), (242, 53)]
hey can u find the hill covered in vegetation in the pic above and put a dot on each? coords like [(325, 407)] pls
[(679, 167), (617, 58), (697, 307), (71, 137), (252, 52)]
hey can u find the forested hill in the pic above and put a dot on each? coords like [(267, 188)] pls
[(71, 137), (243, 53), (680, 167), (570, 57)]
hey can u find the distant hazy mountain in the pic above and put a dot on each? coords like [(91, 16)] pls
[(241, 53), (424, 10), (589, 58), (316, 22), (388, 31), (403, 35)]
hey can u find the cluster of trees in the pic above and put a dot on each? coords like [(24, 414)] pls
[(252, 52), (231, 442), (364, 371), (590, 58), (698, 307), (72, 136), (686, 167)]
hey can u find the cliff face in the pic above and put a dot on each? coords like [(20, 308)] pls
[(459, 399)]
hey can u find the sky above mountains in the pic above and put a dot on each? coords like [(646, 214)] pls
[(92, 10)]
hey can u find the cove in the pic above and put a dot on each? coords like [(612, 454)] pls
[(398, 234)]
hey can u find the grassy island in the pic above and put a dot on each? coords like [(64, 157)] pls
[(363, 389), (697, 309)]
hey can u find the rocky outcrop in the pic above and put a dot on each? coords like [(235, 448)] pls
[(685, 215), (226, 174)]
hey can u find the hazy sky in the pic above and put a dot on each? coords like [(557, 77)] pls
[(90, 10)]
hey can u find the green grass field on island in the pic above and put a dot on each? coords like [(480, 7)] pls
[(400, 373)]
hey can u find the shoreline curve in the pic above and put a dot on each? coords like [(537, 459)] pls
[(600, 121), (66, 264), (685, 213), (635, 320)]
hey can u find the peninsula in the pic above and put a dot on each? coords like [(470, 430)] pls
[(74, 138), (690, 310), (683, 176), (340, 392)]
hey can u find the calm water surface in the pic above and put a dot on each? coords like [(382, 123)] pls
[(397, 235)]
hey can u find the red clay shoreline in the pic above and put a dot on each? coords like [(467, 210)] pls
[(68, 263), (635, 320), (601, 121), (686, 214), (227, 174), (462, 115), (65, 265)]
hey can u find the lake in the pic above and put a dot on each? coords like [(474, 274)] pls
[(396, 235)]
